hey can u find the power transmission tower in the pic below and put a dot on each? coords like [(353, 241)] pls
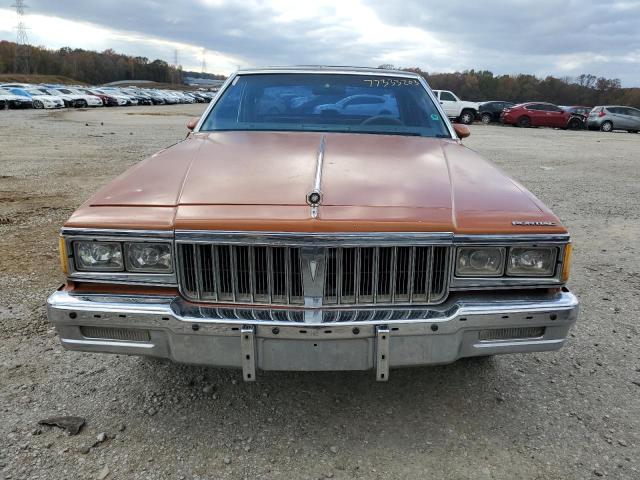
[(21, 59), (204, 60), (174, 75)]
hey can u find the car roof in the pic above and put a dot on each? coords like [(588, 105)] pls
[(345, 70)]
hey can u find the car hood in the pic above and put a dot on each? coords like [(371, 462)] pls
[(260, 180), (53, 98)]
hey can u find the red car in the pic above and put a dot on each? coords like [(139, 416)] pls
[(538, 114)]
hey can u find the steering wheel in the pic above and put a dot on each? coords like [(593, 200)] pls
[(382, 120)]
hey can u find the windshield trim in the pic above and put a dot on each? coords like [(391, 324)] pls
[(318, 71)]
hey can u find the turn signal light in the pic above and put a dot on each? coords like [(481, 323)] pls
[(566, 263), (64, 261)]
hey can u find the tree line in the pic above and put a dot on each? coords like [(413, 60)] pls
[(89, 66), (477, 85), (483, 85)]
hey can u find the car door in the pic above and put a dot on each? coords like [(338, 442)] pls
[(627, 120), (556, 117), (537, 114), (617, 116), (496, 109), (449, 103), (634, 113)]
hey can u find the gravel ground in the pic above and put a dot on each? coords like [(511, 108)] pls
[(572, 414)]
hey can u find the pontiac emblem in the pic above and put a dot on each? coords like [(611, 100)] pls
[(525, 223), (313, 267)]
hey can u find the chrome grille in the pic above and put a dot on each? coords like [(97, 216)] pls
[(241, 274), (385, 275), (273, 275)]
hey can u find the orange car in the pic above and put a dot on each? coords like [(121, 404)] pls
[(315, 219)]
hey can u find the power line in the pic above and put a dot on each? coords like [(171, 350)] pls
[(23, 51)]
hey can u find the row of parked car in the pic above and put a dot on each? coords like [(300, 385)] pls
[(606, 118), (23, 95)]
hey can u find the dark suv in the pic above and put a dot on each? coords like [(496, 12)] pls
[(490, 111)]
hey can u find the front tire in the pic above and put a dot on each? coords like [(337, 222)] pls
[(574, 124), (82, 104), (524, 122), (467, 117), (38, 104), (486, 118), (606, 126)]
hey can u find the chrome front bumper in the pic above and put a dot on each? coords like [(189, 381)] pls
[(184, 332)]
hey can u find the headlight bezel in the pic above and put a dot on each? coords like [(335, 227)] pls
[(78, 244), (70, 236), (561, 243), (509, 272), (459, 254), (129, 267)]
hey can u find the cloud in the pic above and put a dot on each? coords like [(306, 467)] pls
[(543, 37)]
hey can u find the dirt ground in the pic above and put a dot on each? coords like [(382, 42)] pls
[(572, 414)]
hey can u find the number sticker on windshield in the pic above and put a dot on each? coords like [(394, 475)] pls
[(390, 82), (435, 117)]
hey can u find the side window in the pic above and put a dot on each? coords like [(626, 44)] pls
[(534, 106), (552, 108), (447, 97), (614, 110), (634, 112)]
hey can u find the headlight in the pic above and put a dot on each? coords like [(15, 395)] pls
[(531, 261), (148, 257), (480, 261), (98, 256)]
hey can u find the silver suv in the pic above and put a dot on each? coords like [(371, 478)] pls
[(612, 117)]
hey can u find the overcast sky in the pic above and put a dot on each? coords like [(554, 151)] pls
[(543, 37)]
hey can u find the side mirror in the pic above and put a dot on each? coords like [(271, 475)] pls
[(191, 124), (462, 131)]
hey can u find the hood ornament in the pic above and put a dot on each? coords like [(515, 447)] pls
[(314, 197)]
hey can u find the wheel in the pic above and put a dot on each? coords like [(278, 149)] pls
[(524, 122), (606, 126), (486, 118), (38, 104), (82, 104), (466, 117), (574, 124)]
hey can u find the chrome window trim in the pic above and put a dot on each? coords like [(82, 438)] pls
[(330, 71)]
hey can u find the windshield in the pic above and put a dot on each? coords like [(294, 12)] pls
[(327, 102)]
